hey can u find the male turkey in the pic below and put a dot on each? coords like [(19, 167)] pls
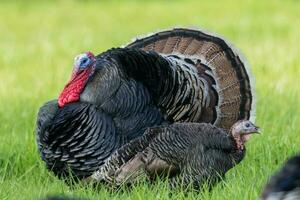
[(179, 75), (284, 185), (188, 152)]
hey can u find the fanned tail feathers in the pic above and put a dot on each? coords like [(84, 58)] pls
[(229, 96)]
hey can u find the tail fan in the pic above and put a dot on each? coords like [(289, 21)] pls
[(231, 91)]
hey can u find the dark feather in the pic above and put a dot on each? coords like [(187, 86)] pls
[(186, 152), (285, 184)]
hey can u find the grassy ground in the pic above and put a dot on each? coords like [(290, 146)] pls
[(37, 46)]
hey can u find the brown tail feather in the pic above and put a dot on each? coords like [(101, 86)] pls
[(231, 93)]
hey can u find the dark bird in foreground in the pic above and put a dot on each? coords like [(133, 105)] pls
[(179, 75), (61, 197), (285, 184), (189, 153)]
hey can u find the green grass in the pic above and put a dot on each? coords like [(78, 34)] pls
[(37, 46)]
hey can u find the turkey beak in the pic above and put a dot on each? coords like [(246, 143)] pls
[(257, 130)]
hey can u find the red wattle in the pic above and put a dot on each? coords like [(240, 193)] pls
[(71, 92)]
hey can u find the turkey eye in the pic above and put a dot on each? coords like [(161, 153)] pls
[(84, 61)]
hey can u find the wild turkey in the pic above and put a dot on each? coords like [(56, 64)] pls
[(284, 185), (179, 75), (188, 152)]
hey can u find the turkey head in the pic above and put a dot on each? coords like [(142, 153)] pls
[(84, 67), (242, 131)]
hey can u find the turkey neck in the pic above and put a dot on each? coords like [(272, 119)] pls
[(239, 148), (172, 81)]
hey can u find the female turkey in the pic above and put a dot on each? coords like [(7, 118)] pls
[(189, 153), (180, 75)]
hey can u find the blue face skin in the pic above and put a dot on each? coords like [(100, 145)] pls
[(82, 61)]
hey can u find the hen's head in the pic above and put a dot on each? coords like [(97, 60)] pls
[(242, 130), (84, 67)]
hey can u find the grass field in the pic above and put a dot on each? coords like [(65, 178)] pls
[(39, 40)]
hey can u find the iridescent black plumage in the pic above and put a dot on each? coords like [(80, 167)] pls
[(79, 137)]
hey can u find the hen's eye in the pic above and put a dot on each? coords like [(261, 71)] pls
[(84, 61)]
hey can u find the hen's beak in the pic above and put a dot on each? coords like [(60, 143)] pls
[(257, 130)]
